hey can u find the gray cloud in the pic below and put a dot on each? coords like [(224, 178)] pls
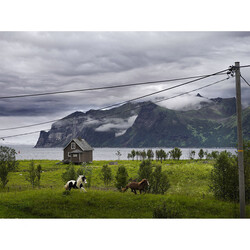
[(34, 62), (121, 125)]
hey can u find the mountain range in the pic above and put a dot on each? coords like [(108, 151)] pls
[(147, 124)]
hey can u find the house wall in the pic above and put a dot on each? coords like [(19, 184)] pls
[(86, 156), (75, 158)]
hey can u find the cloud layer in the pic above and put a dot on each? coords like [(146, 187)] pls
[(35, 62)]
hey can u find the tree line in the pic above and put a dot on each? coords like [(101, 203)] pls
[(174, 154)]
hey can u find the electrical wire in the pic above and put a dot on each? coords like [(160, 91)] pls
[(111, 87), (245, 80), (245, 66), (208, 85), (106, 87), (140, 106), (28, 133), (124, 102)]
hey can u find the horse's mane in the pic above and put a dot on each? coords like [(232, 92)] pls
[(79, 180), (143, 180)]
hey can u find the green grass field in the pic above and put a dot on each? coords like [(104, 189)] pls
[(189, 194)]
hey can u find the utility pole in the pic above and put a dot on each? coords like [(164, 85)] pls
[(240, 142)]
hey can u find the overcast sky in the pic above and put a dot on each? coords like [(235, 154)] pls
[(35, 62)]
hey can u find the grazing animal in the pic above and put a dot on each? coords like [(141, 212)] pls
[(76, 184), (141, 186)]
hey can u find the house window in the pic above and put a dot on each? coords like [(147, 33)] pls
[(74, 155), (73, 145)]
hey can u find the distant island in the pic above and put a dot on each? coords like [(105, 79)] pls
[(146, 124)]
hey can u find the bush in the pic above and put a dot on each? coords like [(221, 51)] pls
[(70, 173), (150, 154), (224, 177), (175, 154), (191, 154), (167, 211), (201, 154), (159, 181), (8, 163), (145, 170), (161, 154), (31, 177), (106, 174), (121, 178), (247, 169), (212, 156), (34, 174), (38, 174)]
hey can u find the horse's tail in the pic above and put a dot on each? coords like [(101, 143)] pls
[(66, 186)]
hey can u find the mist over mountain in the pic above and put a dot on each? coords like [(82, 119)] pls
[(146, 124)]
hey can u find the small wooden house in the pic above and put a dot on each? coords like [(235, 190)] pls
[(78, 151)]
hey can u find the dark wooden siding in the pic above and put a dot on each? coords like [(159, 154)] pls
[(86, 156)]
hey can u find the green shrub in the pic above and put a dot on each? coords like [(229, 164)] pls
[(69, 174), (201, 154), (121, 177), (38, 174), (159, 181), (191, 154), (145, 170), (161, 154), (150, 154), (34, 174), (171, 210), (212, 156), (8, 163), (247, 169), (224, 177), (106, 174), (175, 154)]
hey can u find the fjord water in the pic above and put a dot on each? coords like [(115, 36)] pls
[(28, 152)]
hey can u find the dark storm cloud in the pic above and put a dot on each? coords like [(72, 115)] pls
[(34, 62)]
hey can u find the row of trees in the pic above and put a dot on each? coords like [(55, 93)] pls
[(158, 179), (174, 154), (159, 154)]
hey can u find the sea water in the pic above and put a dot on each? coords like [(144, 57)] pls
[(28, 152)]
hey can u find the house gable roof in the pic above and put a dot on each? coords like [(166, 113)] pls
[(82, 144)]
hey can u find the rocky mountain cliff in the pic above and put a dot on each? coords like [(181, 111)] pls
[(149, 125)]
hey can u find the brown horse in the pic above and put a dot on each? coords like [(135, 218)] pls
[(141, 186)]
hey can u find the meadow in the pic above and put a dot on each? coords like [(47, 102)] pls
[(189, 195)]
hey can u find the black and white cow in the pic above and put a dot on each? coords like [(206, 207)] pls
[(76, 184)]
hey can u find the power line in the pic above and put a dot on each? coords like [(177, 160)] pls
[(105, 87), (205, 86), (27, 126), (208, 85), (245, 80), (111, 87), (28, 133), (121, 103), (166, 89), (245, 66)]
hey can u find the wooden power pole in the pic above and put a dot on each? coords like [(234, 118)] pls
[(240, 142)]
